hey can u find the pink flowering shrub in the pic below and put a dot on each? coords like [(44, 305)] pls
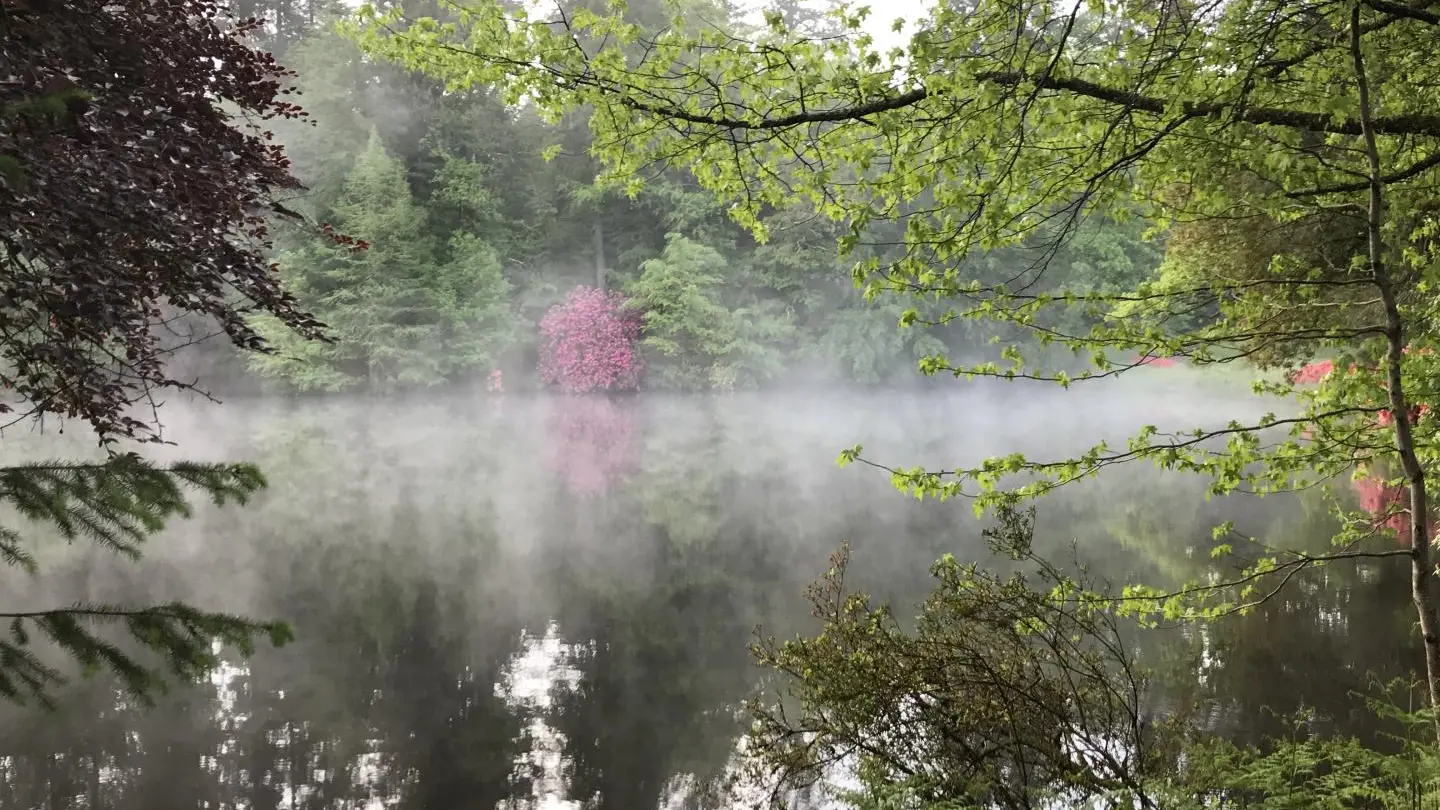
[(1152, 360), (1387, 503), (591, 443), (1313, 372), (588, 343)]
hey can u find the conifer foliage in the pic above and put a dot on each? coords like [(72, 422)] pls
[(411, 310), (117, 504), (135, 186)]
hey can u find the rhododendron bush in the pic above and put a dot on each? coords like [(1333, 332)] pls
[(1313, 372), (588, 343), (1388, 503), (591, 443)]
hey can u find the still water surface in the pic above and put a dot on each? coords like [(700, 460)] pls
[(522, 602)]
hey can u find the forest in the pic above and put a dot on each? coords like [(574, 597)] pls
[(489, 243), (526, 320)]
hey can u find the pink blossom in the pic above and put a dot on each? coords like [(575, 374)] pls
[(1389, 505), (588, 343), (1152, 360), (1313, 373)]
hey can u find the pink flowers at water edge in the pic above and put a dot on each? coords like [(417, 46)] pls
[(1312, 373), (588, 343)]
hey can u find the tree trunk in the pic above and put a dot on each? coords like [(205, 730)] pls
[(599, 254), (1421, 575)]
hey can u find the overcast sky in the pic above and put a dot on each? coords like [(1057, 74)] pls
[(882, 15)]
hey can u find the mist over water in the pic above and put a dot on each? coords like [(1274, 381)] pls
[(509, 600)]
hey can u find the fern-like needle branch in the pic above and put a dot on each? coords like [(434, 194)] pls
[(116, 504)]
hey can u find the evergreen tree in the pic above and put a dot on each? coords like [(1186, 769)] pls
[(700, 342), (116, 503), (404, 312)]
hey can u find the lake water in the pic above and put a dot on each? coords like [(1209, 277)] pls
[(515, 601)]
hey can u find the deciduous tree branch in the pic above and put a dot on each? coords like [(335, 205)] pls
[(1416, 125), (1403, 11)]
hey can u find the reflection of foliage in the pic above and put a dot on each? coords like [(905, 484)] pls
[(396, 667), (591, 445), (680, 493), (405, 597), (588, 343), (665, 665)]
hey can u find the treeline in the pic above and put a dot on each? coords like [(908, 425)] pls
[(472, 236)]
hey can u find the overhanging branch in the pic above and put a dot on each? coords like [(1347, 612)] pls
[(1414, 170), (1277, 68), (1415, 125), (1401, 10)]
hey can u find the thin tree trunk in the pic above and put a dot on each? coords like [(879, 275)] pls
[(599, 254), (1421, 575)]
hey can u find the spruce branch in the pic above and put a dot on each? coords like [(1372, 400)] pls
[(182, 637), (118, 504)]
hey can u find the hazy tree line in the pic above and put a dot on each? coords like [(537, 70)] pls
[(473, 234)]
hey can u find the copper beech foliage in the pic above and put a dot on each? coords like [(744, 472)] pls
[(138, 178)]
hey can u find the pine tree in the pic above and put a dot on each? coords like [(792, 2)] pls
[(406, 312), (700, 341)]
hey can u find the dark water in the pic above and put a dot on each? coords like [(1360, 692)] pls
[(518, 602)]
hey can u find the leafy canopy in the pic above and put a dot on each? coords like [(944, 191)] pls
[(107, 230)]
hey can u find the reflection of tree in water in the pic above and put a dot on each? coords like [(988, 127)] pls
[(656, 687), (667, 615), (409, 604), (389, 694), (1346, 621), (591, 443)]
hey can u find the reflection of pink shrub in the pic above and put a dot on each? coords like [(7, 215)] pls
[(588, 343), (591, 443)]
